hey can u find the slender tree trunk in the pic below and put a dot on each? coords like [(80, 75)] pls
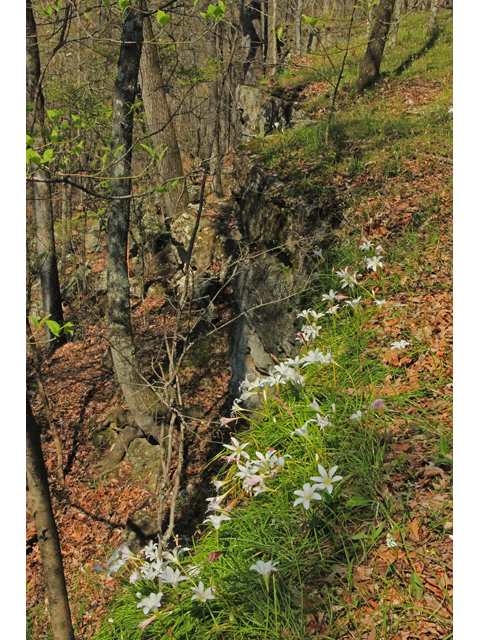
[(432, 20), (42, 198), (159, 119), (213, 124), (251, 22), (142, 401), (40, 506), (298, 27), (370, 71), (46, 406), (272, 34), (396, 20), (65, 213)]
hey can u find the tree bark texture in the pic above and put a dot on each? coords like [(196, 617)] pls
[(251, 42), (370, 71), (214, 123), (42, 199), (159, 121), (40, 506), (141, 399), (432, 19), (396, 21)]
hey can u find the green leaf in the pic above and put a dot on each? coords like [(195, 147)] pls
[(34, 156), (34, 321), (78, 148), (216, 13), (54, 327), (50, 11), (54, 136), (148, 149), (311, 21), (64, 126), (106, 3), (123, 4), (162, 18), (118, 150), (30, 141), (359, 536), (47, 155), (376, 532), (443, 446), (53, 114), (195, 3), (279, 32), (68, 328), (77, 120), (159, 157), (357, 501), (416, 586)]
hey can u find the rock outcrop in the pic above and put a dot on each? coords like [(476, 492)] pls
[(274, 266)]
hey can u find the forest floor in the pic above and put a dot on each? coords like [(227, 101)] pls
[(91, 518)]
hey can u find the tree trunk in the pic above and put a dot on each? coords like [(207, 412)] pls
[(370, 71), (213, 126), (42, 199), (272, 34), (432, 20), (396, 20), (298, 28), (159, 120), (40, 506), (142, 401), (251, 21)]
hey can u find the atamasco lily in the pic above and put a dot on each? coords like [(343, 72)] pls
[(216, 520), (264, 569), (201, 593), (325, 479), (238, 449), (151, 603), (307, 494), (172, 577)]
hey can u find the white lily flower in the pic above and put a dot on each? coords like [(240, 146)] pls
[(201, 593), (151, 603), (329, 296), (264, 568), (301, 432), (173, 555), (333, 310), (366, 245), (374, 262), (353, 303), (216, 521), (399, 345), (150, 551), (325, 478), (317, 356), (390, 541), (172, 577), (307, 494), (238, 449)]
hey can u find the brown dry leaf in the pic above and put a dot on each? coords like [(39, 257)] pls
[(414, 526)]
